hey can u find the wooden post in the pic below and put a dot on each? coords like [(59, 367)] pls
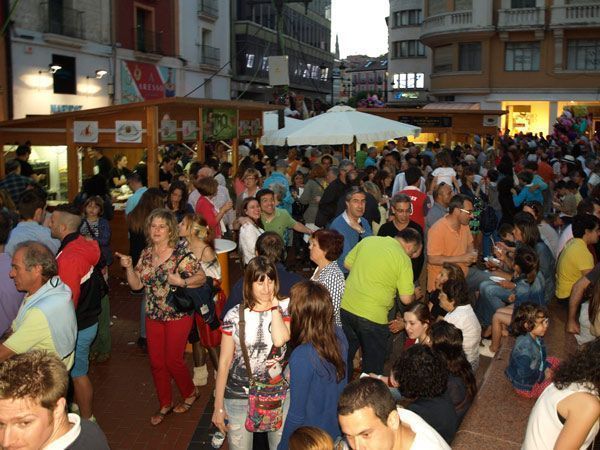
[(152, 145), (2, 159), (72, 162), (234, 153), (200, 151)]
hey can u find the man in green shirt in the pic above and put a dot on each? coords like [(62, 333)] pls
[(361, 156), (379, 268), (277, 219)]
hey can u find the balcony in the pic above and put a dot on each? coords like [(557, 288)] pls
[(447, 23), (148, 41), (62, 21), (580, 15), (210, 56), (208, 10), (521, 19)]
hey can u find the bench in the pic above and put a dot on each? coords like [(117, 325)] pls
[(497, 420)]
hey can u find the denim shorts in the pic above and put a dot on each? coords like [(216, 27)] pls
[(85, 338)]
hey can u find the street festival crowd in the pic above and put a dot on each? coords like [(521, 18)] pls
[(421, 259)]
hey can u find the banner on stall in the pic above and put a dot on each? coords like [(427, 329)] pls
[(85, 131), (250, 124), (219, 124)]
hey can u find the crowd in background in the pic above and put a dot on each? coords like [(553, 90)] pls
[(396, 268)]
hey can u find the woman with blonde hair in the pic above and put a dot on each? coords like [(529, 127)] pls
[(200, 241), (163, 265)]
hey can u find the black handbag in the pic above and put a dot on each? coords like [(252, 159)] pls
[(177, 297)]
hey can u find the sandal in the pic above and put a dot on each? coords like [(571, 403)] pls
[(186, 405), (157, 418)]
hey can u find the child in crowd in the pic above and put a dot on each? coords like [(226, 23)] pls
[(454, 298), (529, 370), (95, 226), (444, 172), (529, 287)]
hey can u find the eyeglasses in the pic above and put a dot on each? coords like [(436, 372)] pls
[(466, 211)]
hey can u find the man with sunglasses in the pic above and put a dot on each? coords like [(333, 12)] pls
[(450, 240)]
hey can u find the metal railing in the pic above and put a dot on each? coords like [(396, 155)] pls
[(62, 20), (209, 56), (208, 8), (148, 41)]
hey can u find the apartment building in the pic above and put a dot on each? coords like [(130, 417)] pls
[(409, 60), (529, 57), (306, 40)]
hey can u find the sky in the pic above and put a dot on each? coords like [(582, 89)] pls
[(360, 25)]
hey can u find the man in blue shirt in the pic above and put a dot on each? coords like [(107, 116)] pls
[(134, 181), (371, 158)]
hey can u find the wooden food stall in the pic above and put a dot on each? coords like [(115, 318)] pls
[(134, 129), (448, 125)]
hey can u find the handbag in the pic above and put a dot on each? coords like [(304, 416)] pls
[(177, 297), (265, 400)]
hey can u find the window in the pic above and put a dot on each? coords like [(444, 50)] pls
[(315, 72), (437, 7), (409, 81), (442, 59), (146, 39), (324, 74), (408, 49), (469, 57), (463, 5), (265, 63), (522, 56), (583, 54), (522, 3), (249, 60), (407, 18), (64, 79)]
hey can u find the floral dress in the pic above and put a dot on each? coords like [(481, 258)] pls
[(155, 282)]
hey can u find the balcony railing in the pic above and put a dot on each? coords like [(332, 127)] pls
[(62, 20), (210, 56), (447, 22), (576, 15), (208, 9), (515, 18), (148, 41)]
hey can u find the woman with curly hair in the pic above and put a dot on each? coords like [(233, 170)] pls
[(447, 341), (566, 414), (421, 376)]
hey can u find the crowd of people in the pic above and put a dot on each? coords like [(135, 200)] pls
[(370, 287)]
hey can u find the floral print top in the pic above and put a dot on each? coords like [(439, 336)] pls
[(155, 282)]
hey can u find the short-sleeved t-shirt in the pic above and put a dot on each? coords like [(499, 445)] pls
[(574, 259), (34, 334), (267, 361), (443, 240), (281, 222), (379, 268)]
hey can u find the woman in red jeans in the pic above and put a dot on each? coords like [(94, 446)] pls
[(167, 330)]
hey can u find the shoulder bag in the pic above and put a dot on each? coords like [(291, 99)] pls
[(265, 400)]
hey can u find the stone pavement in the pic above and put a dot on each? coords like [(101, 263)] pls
[(124, 395)]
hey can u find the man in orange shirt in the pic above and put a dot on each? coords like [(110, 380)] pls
[(450, 240)]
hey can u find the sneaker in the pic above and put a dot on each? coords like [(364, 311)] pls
[(484, 350)]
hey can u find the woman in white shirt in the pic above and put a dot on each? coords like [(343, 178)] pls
[(566, 414), (454, 298), (250, 229)]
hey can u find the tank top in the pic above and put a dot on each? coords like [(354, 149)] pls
[(544, 424)]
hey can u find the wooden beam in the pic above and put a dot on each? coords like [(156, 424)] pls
[(72, 162), (152, 145)]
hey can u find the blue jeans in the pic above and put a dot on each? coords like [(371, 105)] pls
[(491, 297), (238, 437), (369, 336)]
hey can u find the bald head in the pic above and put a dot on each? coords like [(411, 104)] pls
[(64, 220)]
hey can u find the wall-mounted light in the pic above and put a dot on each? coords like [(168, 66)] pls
[(53, 68), (100, 73)]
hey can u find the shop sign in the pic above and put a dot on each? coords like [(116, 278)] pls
[(406, 95), (219, 123), (427, 121), (143, 81), (64, 108)]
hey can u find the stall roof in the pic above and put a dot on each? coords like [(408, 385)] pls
[(435, 110)]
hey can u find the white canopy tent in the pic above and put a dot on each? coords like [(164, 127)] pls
[(271, 122), (340, 125)]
